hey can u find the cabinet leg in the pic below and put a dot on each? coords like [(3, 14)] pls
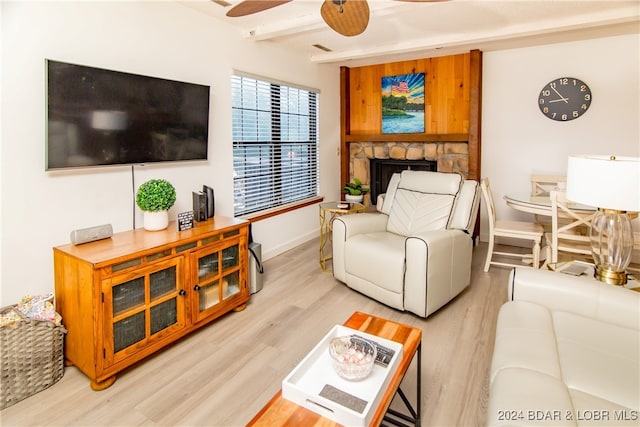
[(97, 386), (240, 307)]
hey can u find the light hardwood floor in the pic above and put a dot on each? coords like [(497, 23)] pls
[(224, 373)]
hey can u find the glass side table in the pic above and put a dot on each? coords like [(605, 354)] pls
[(328, 212)]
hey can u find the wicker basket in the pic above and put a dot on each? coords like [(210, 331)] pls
[(31, 354)]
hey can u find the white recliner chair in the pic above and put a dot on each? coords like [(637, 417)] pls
[(415, 254)]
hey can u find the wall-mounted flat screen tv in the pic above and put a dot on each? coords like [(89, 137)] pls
[(98, 117)]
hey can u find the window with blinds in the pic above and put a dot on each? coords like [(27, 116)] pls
[(275, 144)]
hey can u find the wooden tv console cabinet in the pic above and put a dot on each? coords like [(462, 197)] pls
[(126, 297)]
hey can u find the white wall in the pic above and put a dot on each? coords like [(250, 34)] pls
[(518, 140), (162, 39)]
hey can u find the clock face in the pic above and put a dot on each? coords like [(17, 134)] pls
[(564, 99)]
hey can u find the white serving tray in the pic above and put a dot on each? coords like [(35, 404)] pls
[(305, 383)]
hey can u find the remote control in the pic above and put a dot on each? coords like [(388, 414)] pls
[(383, 354)]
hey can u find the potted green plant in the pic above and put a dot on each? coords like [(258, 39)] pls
[(354, 191), (154, 198)]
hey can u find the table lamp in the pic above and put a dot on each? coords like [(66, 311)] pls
[(612, 184)]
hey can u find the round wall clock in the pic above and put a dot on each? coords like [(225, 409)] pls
[(564, 99)]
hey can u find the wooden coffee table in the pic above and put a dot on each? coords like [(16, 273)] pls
[(282, 412)]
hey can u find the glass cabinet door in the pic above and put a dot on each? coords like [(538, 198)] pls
[(163, 310), (218, 277), (128, 302), (142, 308)]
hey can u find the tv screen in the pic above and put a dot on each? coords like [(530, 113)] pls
[(98, 117)]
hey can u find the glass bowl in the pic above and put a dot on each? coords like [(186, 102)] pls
[(353, 357)]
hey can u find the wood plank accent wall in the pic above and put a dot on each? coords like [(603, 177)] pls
[(452, 104), (446, 94)]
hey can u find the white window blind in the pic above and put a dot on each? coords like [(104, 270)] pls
[(275, 144)]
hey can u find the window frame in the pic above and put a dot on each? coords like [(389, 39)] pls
[(247, 133)]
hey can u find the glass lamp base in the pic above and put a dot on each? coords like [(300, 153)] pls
[(611, 238), (611, 277)]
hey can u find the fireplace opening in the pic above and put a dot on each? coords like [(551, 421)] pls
[(381, 170)]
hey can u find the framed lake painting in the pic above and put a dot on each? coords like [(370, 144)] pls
[(403, 103)]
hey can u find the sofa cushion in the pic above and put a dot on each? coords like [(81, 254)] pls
[(552, 367), (377, 258), (524, 397), (525, 339), (593, 357), (593, 411), (599, 358), (568, 333)]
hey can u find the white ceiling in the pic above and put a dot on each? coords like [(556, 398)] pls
[(400, 30)]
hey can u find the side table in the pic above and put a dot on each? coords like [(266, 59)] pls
[(328, 212)]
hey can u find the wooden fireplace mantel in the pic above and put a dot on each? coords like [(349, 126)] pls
[(409, 137)]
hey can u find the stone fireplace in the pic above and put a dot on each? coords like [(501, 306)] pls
[(447, 156), (381, 170)]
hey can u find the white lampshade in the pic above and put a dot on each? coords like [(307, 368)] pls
[(607, 182), (109, 120)]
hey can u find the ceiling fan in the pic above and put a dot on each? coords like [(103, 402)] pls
[(346, 17)]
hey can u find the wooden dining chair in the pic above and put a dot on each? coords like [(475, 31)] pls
[(542, 185), (511, 229), (569, 230)]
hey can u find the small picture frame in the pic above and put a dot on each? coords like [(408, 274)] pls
[(185, 221)]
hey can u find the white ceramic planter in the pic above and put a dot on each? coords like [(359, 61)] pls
[(155, 221), (353, 199)]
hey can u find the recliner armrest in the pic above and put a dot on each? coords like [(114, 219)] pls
[(433, 238), (438, 267), (576, 294), (363, 223), (347, 226), (466, 207), (380, 201)]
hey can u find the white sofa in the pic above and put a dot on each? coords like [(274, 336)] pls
[(567, 352), (415, 254)]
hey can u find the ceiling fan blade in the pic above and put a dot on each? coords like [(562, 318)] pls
[(346, 17), (248, 7)]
